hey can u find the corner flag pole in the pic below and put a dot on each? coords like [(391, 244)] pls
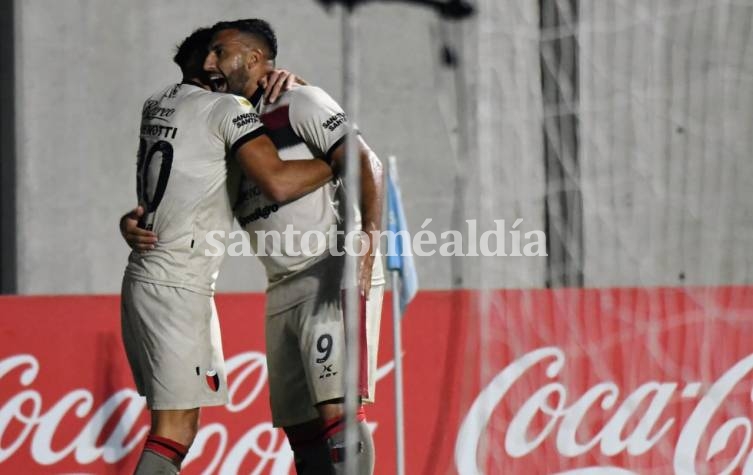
[(397, 319), (456, 9), (404, 288)]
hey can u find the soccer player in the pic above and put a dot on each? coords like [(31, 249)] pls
[(169, 321), (305, 331)]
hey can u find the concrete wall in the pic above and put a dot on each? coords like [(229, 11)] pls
[(667, 132), (508, 169), (665, 129), (85, 67)]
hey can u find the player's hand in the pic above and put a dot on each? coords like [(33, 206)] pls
[(365, 268), (276, 82), (137, 238)]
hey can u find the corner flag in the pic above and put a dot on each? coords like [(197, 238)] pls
[(399, 248)]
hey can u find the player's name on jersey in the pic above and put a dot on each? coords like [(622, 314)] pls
[(151, 130)]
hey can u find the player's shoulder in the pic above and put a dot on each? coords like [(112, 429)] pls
[(158, 96), (307, 94), (310, 101), (230, 104), (180, 96), (177, 92), (202, 97), (231, 100)]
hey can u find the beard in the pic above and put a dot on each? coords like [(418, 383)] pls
[(237, 81)]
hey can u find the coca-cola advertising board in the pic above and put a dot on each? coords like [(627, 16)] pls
[(607, 381)]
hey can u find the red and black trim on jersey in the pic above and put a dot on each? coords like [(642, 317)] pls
[(283, 136), (246, 138), (331, 151), (279, 129), (255, 100)]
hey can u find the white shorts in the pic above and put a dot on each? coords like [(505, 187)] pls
[(306, 345), (172, 340)]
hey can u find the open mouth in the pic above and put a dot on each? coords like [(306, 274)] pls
[(217, 82)]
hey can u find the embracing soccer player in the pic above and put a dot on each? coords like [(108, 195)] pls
[(305, 325), (169, 321)]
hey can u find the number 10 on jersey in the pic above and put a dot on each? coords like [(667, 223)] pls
[(151, 177)]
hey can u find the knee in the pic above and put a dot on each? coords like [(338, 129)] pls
[(178, 425)]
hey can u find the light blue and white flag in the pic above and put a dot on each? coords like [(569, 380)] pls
[(399, 249)]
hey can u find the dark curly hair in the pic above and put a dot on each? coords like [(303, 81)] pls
[(190, 54)]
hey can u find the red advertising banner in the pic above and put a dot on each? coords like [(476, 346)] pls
[(540, 381)]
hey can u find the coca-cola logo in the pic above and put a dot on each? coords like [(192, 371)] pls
[(564, 415), (37, 422)]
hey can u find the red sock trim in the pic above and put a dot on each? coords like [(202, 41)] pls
[(337, 424), (331, 427), (167, 448)]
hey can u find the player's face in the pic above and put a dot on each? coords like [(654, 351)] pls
[(228, 60)]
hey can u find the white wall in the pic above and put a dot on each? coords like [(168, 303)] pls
[(666, 129), (85, 67), (666, 140)]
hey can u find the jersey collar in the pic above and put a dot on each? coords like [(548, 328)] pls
[(256, 99)]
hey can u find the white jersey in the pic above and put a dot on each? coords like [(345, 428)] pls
[(186, 133), (304, 123)]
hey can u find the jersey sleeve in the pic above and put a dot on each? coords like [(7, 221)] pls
[(318, 120), (235, 121)]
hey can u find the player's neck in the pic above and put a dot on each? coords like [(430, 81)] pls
[(256, 97), (194, 82)]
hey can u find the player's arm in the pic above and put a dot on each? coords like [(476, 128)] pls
[(372, 199), (280, 180), (318, 118), (137, 238)]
